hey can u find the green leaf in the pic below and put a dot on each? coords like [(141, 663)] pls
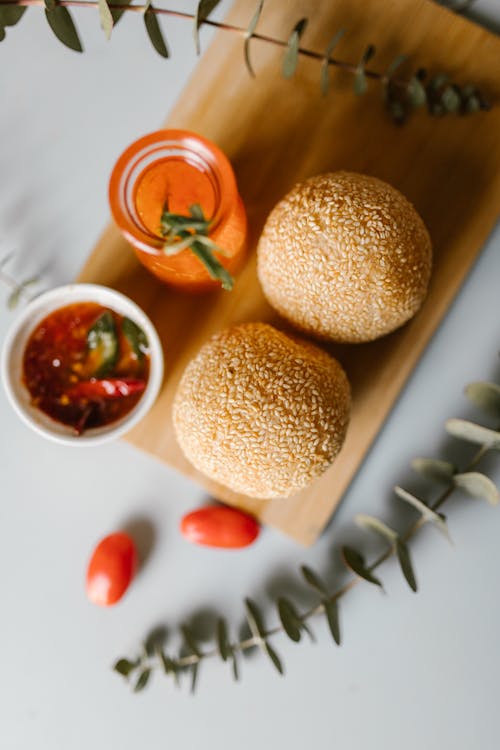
[(434, 469), (255, 619), (438, 81), (473, 433), (125, 667), (106, 18), (360, 80), (486, 396), (194, 677), (290, 619), (2, 33), (118, 12), (355, 561), (102, 345), (154, 32), (291, 57), (9, 16), (417, 95), (405, 563), (203, 10), (314, 580), (190, 641), (429, 515), (169, 665), (472, 104), (373, 524), (142, 680), (225, 649), (332, 616), (136, 337), (248, 36), (325, 65), (478, 485), (451, 100), (61, 23), (269, 650), (236, 674)]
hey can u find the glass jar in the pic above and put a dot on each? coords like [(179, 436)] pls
[(179, 169)]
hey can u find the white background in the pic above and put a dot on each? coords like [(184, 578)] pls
[(414, 670)]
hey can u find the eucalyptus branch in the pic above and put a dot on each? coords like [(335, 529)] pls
[(401, 95), (292, 622)]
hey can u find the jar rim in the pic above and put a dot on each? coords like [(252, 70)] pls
[(201, 150)]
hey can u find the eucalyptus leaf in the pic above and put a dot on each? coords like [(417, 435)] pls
[(154, 32), (2, 33), (451, 99), (223, 644), (62, 24), (486, 396), (10, 15), (395, 64), (236, 673), (291, 57), (417, 95), (355, 562), (255, 619), (473, 433), (117, 13), (142, 680), (360, 80), (314, 580), (472, 104), (168, 664), (194, 677), (125, 666), (434, 469), (190, 641), (478, 485), (325, 65), (203, 10), (269, 650), (332, 616), (428, 514), (403, 556), (106, 18), (374, 524), (289, 619), (248, 36)]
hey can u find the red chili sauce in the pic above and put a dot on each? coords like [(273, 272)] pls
[(86, 366)]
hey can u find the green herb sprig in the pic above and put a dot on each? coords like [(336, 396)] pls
[(182, 232), (401, 95), (293, 622)]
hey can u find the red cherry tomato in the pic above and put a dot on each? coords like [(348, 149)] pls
[(111, 569), (219, 526)]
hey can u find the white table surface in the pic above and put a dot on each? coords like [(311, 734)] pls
[(414, 670)]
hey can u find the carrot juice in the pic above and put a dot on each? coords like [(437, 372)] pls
[(179, 171)]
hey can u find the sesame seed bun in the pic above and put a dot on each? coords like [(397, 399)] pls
[(260, 412), (345, 257)]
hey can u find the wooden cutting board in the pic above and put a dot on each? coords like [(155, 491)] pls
[(276, 132)]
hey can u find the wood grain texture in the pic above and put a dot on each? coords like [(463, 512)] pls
[(276, 132)]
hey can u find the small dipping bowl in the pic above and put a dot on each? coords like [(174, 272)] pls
[(15, 345)]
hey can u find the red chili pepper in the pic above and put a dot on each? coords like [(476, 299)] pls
[(106, 388)]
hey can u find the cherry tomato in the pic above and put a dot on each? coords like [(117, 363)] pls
[(219, 526), (111, 568)]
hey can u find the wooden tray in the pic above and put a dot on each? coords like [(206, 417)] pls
[(276, 132)]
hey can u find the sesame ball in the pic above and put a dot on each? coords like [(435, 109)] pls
[(345, 257), (260, 412)]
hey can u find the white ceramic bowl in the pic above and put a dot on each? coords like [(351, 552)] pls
[(15, 344)]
